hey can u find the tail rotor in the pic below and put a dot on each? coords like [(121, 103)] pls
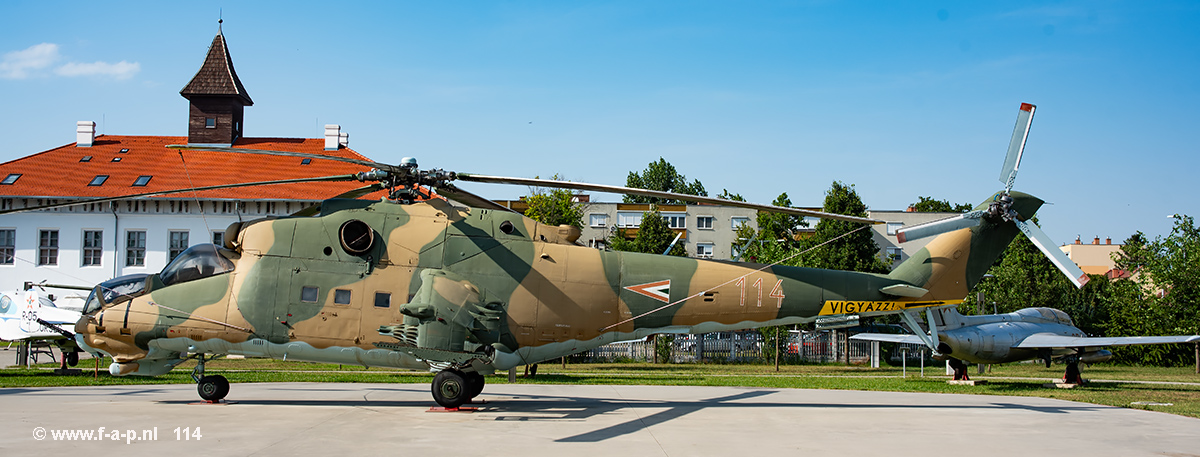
[(1000, 209)]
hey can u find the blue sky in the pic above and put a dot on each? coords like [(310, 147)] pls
[(901, 99)]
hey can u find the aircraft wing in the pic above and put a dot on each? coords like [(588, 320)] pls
[(888, 338), (1049, 340)]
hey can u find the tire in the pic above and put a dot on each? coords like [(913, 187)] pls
[(450, 389), (475, 382), (72, 358), (213, 388)]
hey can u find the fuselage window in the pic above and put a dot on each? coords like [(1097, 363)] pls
[(341, 297), (308, 294), (383, 300)]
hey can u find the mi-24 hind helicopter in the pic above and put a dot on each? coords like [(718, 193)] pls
[(467, 291)]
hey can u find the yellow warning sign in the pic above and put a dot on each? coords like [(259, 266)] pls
[(857, 307)]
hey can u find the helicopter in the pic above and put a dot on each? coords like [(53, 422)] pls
[(414, 281)]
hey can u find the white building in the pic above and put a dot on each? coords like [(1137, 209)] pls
[(88, 243)]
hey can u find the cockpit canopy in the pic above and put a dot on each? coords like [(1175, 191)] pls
[(115, 290), (1049, 314), (197, 262)]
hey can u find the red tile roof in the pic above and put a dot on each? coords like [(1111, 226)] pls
[(60, 173)]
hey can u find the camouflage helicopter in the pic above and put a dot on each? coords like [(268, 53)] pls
[(466, 291)]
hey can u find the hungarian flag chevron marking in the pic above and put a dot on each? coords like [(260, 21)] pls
[(658, 290)]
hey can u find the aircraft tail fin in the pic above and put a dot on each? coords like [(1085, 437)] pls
[(30, 311)]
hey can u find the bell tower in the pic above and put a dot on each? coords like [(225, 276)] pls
[(217, 98)]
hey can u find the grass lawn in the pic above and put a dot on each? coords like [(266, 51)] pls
[(1128, 384)]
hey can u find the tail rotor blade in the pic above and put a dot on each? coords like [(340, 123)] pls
[(939, 226), (1016, 146), (1057, 257)]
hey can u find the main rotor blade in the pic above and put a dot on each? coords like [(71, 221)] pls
[(659, 194), (939, 226), (457, 194), (355, 193), (1057, 257), (368, 163), (190, 189), (1016, 146)]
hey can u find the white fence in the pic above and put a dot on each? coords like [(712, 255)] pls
[(745, 347)]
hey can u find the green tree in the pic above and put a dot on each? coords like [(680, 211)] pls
[(780, 226), (726, 195), (554, 206), (662, 176), (1171, 270), (930, 205), (854, 252), (653, 237), (1023, 277)]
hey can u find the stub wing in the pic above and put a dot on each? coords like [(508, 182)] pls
[(888, 338), (1049, 340)]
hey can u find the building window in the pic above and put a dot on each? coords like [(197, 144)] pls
[(893, 227), (98, 180), (218, 238), (86, 159), (48, 247), (341, 296), (210, 122), (142, 181), (736, 222), (305, 161), (676, 221), (894, 254), (179, 243), (383, 299), (93, 249), (629, 220), (598, 220), (704, 250), (135, 248), (704, 222), (8, 246), (116, 159), (10, 179)]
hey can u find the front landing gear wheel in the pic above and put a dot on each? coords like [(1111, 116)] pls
[(475, 382), (450, 389), (213, 388)]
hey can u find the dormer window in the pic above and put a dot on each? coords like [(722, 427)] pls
[(98, 180), (11, 179), (142, 181)]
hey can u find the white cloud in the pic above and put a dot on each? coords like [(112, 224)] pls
[(32, 61), (119, 70), (21, 64)]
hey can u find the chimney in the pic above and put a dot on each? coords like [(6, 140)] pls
[(1108, 241), (344, 139), (1096, 240), (85, 134), (332, 136), (1077, 240)]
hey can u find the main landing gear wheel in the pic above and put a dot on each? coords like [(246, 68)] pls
[(451, 389), (475, 382), (213, 388), (960, 369), (71, 357), (1073, 376)]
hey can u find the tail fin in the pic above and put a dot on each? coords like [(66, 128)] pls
[(951, 264), (30, 311)]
